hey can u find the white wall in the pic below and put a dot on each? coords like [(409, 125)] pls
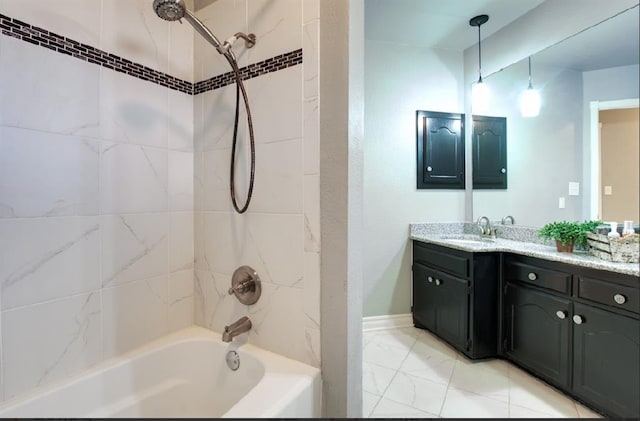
[(398, 81), (279, 236), (96, 194)]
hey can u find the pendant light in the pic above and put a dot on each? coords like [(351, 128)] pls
[(530, 99), (479, 91)]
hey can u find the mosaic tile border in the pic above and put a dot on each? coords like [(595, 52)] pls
[(273, 64), (32, 34)]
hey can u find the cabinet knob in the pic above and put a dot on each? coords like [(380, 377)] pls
[(578, 319), (429, 169), (438, 282), (430, 278), (503, 171), (532, 276), (619, 298), (561, 314)]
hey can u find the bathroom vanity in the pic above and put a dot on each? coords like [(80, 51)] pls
[(569, 319)]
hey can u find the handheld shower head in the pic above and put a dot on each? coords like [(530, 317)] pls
[(173, 10), (170, 10)]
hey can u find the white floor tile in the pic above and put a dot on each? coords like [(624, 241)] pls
[(421, 376), (369, 401), (376, 378), (429, 344), (416, 392), (461, 404), (516, 411), (487, 378), (435, 367), (585, 412), (387, 408), (379, 351), (529, 392)]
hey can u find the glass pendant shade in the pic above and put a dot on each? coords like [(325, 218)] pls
[(530, 99), (480, 96), (530, 103)]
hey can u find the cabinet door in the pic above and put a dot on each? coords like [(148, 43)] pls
[(607, 360), (424, 300), (452, 313), (537, 328), (440, 150), (489, 152)]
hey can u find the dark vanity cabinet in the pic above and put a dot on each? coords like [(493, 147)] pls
[(440, 150), (576, 328), (455, 296), (489, 148), (536, 331)]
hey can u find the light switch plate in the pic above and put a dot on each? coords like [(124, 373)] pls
[(608, 190), (561, 203), (574, 188)]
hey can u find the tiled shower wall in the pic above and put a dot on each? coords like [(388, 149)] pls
[(280, 234), (96, 189)]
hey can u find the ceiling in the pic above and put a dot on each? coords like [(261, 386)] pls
[(439, 23), (612, 43)]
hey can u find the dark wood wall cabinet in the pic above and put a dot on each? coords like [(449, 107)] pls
[(440, 150), (576, 328), (489, 148)]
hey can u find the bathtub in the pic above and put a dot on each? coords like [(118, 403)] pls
[(181, 375)]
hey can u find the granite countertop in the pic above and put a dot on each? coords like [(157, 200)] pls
[(511, 239)]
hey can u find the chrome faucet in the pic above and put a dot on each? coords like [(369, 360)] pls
[(242, 325), (508, 218), (485, 229)]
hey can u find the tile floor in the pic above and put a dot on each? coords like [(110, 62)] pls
[(410, 373)]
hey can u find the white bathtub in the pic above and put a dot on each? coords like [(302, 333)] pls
[(181, 375)]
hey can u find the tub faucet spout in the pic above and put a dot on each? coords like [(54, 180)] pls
[(242, 325)]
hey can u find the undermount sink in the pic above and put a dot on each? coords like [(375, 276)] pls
[(467, 239)]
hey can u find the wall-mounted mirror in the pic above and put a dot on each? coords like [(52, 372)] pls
[(550, 156)]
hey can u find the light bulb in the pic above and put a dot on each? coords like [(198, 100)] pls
[(530, 103), (480, 96)]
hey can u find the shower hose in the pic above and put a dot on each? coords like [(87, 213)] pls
[(240, 88)]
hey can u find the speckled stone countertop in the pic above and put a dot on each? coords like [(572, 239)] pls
[(510, 239)]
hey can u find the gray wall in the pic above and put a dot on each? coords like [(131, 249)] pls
[(399, 80)]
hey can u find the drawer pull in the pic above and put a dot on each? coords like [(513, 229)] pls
[(532, 276), (578, 319), (430, 279), (438, 282), (561, 314), (619, 298)]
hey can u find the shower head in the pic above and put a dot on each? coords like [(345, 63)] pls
[(173, 10), (170, 10)]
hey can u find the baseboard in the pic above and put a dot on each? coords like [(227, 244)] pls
[(393, 321)]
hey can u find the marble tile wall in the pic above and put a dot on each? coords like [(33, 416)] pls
[(96, 191), (280, 234)]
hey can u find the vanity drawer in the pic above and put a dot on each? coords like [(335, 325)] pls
[(452, 261), (524, 272), (608, 293)]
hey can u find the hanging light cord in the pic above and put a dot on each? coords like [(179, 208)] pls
[(479, 56), (530, 85)]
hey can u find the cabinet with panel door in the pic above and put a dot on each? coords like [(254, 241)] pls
[(455, 296), (576, 328)]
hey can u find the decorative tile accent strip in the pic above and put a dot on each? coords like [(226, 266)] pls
[(15, 28), (273, 64)]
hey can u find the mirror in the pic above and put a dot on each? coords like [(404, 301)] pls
[(550, 158)]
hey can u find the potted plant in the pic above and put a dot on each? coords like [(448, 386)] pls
[(564, 233), (567, 234)]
